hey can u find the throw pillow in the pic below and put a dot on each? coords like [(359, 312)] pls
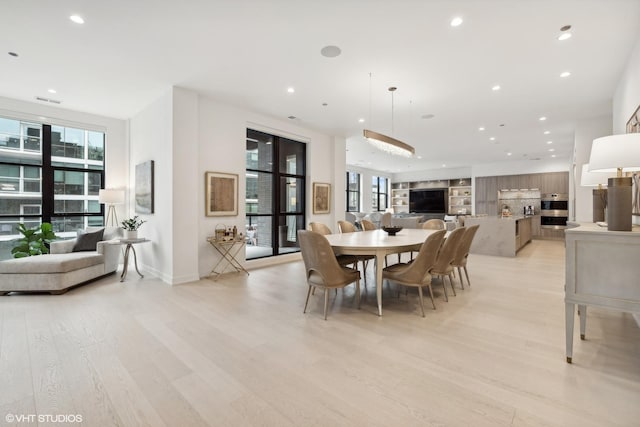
[(87, 241)]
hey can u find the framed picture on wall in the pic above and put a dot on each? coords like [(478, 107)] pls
[(144, 188), (321, 198), (221, 194)]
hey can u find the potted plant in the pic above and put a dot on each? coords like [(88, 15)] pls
[(35, 241), (131, 226)]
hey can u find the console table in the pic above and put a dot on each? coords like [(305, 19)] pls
[(602, 269), (229, 250)]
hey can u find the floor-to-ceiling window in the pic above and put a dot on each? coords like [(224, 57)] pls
[(353, 192), (50, 174), (275, 194), (379, 193)]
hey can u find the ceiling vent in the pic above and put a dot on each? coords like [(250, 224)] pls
[(53, 101)]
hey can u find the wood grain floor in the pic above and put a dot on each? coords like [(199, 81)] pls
[(239, 352)]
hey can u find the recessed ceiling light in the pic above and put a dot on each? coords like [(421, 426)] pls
[(290, 90), (553, 155), (546, 132), (481, 128), (444, 166), (509, 153), (52, 91), (549, 142), (455, 22), (427, 116), (542, 119), (361, 120), (419, 157), (330, 51), (77, 19), (493, 138), (15, 55), (565, 28), (496, 87), (552, 149), (565, 74), (324, 104), (564, 36), (292, 117)]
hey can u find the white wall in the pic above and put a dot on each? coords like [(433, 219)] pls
[(627, 95), (222, 148), (117, 140), (152, 139)]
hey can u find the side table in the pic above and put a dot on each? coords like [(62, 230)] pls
[(129, 247), (228, 249)]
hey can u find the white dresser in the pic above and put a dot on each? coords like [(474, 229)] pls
[(602, 269)]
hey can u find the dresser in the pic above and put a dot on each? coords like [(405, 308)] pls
[(603, 270)]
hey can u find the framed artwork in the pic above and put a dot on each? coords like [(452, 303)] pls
[(321, 198), (633, 126), (221, 194), (144, 188)]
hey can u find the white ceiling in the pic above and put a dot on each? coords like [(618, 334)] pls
[(247, 53)]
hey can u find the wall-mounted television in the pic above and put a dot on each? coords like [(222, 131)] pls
[(428, 201)]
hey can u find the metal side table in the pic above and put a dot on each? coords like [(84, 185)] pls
[(129, 247), (229, 250)]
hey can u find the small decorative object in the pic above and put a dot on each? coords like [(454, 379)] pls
[(35, 240), (130, 227), (144, 187), (391, 231), (321, 198), (221, 194), (220, 231)]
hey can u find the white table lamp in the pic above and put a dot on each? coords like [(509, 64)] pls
[(617, 153), (596, 179), (111, 197)]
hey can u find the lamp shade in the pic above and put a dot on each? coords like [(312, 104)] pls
[(610, 153), (111, 196), (593, 179)]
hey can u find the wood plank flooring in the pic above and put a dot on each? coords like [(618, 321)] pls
[(240, 352)]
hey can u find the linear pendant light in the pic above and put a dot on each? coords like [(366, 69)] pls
[(383, 142)]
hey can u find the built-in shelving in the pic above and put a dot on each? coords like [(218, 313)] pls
[(400, 197), (460, 196)]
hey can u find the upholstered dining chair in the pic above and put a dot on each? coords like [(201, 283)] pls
[(321, 228), (460, 260), (367, 225), (347, 227), (385, 221), (434, 224), (322, 268), (416, 273), (442, 267)]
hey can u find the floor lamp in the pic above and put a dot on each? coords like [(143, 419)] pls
[(599, 180), (110, 198), (617, 153)]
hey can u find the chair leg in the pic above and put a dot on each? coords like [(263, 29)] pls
[(461, 279), (307, 301), (421, 302), (326, 302), (451, 283), (358, 292), (467, 274), (431, 295), (444, 286)]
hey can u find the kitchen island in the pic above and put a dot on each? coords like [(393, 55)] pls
[(500, 236)]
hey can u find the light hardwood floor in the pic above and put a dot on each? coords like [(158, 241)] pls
[(240, 352)]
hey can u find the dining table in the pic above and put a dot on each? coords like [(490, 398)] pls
[(380, 244)]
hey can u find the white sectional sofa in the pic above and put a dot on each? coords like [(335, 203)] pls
[(61, 269)]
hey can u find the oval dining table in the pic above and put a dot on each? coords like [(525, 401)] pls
[(380, 244)]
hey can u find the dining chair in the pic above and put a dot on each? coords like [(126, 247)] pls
[(322, 228), (442, 267), (322, 268), (434, 224), (460, 260), (416, 273), (347, 227), (367, 225)]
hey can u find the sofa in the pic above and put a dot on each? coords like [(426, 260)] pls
[(63, 268)]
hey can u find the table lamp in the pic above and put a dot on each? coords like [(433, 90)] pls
[(111, 197), (617, 153), (599, 180)]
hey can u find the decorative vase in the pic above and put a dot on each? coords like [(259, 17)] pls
[(130, 234)]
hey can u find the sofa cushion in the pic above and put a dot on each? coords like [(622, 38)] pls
[(52, 263), (87, 241)]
